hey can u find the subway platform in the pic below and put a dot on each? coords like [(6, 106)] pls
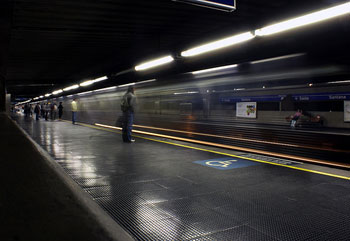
[(161, 189)]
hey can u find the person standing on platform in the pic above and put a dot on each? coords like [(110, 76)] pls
[(60, 111), (74, 111), (127, 106), (37, 111), (295, 118), (54, 111), (47, 111)]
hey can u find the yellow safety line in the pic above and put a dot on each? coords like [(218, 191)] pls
[(220, 153)]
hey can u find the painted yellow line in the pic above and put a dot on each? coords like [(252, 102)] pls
[(107, 128)]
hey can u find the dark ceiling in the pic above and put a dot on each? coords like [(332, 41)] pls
[(54, 43)]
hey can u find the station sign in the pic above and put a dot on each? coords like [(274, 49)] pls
[(322, 96), (227, 163), (262, 98), (224, 5)]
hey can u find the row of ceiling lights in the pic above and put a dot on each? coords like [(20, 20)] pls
[(307, 19)]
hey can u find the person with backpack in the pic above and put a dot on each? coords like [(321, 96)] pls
[(127, 106)]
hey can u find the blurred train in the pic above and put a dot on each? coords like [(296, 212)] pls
[(205, 105)]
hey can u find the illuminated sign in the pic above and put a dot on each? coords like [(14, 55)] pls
[(224, 5)]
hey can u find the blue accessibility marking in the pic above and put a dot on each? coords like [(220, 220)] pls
[(227, 163)]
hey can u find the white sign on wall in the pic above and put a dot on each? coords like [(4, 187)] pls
[(347, 111), (246, 109)]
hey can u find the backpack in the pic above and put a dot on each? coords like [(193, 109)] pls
[(124, 104)]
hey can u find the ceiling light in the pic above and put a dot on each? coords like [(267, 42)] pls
[(305, 20), (86, 83), (41, 96), (71, 87), (56, 92), (154, 63), (90, 82), (239, 38), (47, 95), (100, 79), (214, 69)]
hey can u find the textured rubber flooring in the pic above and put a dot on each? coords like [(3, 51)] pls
[(157, 192)]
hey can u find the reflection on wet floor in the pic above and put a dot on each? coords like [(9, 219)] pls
[(157, 191)]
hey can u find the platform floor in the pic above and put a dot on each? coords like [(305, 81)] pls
[(159, 189)]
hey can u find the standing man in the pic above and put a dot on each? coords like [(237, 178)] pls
[(74, 111), (37, 111), (127, 106), (60, 111)]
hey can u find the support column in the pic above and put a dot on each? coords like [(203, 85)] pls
[(6, 10)]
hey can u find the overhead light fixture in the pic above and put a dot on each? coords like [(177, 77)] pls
[(56, 92), (239, 38), (86, 83), (305, 20), (214, 69), (47, 95), (100, 79), (90, 82), (41, 96), (154, 63), (71, 87)]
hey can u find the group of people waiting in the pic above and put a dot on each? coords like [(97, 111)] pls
[(46, 110)]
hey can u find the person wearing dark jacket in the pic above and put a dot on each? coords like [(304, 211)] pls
[(60, 111), (128, 106)]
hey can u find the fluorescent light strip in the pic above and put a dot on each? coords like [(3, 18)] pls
[(47, 95), (239, 38), (154, 63), (100, 79), (214, 69), (71, 87), (86, 83), (305, 20), (90, 82), (56, 92)]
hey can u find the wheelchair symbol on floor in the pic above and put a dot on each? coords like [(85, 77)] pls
[(221, 164)]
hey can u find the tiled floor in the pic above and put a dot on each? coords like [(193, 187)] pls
[(156, 191)]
